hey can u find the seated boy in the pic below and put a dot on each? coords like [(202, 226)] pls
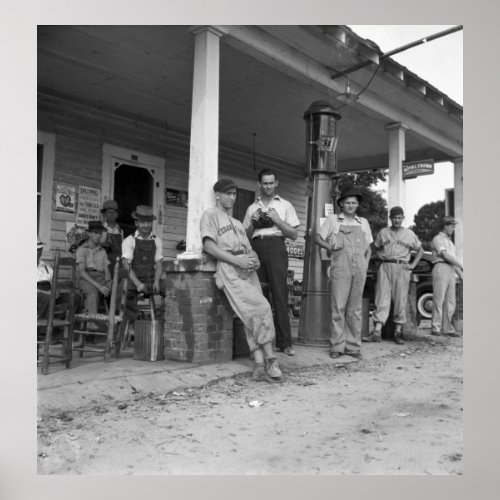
[(93, 267)]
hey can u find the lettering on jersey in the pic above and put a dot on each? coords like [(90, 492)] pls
[(384, 243), (230, 227)]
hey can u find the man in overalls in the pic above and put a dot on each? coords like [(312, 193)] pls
[(394, 245), (225, 239), (347, 237), (142, 253), (112, 239)]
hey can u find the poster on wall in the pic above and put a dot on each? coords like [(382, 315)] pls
[(75, 235), (65, 198), (89, 204)]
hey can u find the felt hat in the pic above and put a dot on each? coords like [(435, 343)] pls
[(109, 204), (347, 193), (95, 226), (143, 212), (224, 185)]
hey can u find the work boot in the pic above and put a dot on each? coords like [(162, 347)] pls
[(259, 374), (398, 338), (273, 368), (373, 337)]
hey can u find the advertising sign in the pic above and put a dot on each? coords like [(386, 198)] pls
[(295, 251), (89, 205), (74, 234), (65, 198), (413, 169)]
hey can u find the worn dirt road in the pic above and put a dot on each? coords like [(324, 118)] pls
[(399, 414)]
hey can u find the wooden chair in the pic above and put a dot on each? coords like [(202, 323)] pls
[(113, 323), (59, 315)]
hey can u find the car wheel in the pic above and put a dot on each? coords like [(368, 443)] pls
[(424, 305)]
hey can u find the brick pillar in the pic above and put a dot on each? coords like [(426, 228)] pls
[(198, 317)]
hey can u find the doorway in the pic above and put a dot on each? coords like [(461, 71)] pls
[(132, 178)]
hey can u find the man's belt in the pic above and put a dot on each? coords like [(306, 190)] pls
[(267, 236), (396, 261)]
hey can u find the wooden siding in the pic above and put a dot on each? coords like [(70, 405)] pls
[(81, 132)]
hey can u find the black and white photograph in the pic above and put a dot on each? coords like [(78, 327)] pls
[(250, 256), (192, 337)]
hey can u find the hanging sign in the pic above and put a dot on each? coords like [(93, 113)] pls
[(413, 169), (89, 205), (65, 198)]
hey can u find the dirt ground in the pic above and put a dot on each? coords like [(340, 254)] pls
[(398, 414)]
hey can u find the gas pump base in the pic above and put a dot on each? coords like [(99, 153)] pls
[(315, 323), (198, 324)]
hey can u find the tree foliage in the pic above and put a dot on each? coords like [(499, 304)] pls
[(373, 207), (427, 222)]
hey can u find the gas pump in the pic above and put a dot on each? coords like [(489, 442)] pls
[(321, 167)]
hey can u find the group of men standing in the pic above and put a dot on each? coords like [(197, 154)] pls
[(255, 251), (252, 264)]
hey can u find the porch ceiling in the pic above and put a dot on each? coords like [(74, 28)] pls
[(146, 72)]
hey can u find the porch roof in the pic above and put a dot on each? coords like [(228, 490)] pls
[(269, 75)]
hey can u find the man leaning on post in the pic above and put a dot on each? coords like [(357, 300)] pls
[(394, 245), (226, 241)]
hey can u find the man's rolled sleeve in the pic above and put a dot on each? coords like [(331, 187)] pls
[(291, 216), (159, 250), (127, 248), (326, 230), (208, 226)]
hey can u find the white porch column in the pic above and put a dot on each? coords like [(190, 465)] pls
[(396, 194), (459, 206), (203, 157)]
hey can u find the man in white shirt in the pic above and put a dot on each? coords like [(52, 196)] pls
[(446, 265), (268, 222), (142, 253)]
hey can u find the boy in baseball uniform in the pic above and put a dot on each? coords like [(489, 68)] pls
[(394, 245), (224, 238)]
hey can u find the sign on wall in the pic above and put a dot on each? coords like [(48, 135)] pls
[(412, 169), (295, 251), (89, 205), (176, 197), (65, 198), (75, 234)]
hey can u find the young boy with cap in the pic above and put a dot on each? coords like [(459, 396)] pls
[(93, 268), (347, 237), (225, 239), (142, 253), (446, 265), (394, 245)]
